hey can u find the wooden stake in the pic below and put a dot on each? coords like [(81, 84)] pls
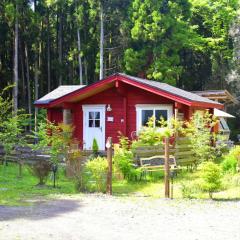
[(166, 168), (109, 159)]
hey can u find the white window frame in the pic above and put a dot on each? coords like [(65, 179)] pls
[(140, 107)]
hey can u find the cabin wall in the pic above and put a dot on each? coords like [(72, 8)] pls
[(107, 97), (139, 96), (124, 118), (123, 100), (55, 115)]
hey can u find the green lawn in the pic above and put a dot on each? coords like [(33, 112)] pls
[(14, 190), (17, 191)]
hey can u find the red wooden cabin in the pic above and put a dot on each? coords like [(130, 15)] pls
[(119, 103)]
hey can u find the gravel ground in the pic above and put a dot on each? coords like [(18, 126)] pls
[(90, 217)]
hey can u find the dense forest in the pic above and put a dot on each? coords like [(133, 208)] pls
[(193, 44)]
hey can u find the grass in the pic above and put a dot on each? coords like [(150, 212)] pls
[(155, 187), (15, 191), (19, 191)]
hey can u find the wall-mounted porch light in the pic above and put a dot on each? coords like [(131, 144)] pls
[(109, 109)]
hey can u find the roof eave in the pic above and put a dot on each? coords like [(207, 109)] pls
[(133, 83)]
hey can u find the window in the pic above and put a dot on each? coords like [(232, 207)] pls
[(146, 111), (223, 125), (94, 119)]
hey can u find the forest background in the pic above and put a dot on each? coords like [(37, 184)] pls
[(192, 44)]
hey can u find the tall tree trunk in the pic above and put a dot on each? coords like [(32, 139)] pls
[(15, 74), (86, 71), (80, 66), (36, 86), (23, 74), (79, 57), (48, 56), (60, 50), (29, 95), (101, 73)]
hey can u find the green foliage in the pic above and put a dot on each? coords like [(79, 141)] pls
[(229, 164), (189, 189), (95, 147), (159, 30), (124, 162), (95, 175), (211, 177), (12, 125), (199, 132), (151, 135), (54, 139), (231, 161)]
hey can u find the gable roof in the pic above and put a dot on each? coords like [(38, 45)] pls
[(170, 89), (68, 93), (58, 93)]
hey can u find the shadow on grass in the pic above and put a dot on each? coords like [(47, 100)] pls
[(226, 199), (40, 210)]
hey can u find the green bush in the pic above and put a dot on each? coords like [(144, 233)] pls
[(95, 147), (95, 175), (151, 135), (189, 190), (229, 164), (210, 178), (124, 162)]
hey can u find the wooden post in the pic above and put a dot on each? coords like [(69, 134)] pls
[(109, 159), (166, 168)]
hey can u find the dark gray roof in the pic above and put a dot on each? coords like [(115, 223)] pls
[(57, 93), (64, 90), (170, 89)]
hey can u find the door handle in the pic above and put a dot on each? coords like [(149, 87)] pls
[(100, 128)]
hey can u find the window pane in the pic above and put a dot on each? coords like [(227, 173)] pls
[(146, 114), (161, 114), (97, 123), (97, 115), (91, 115), (91, 123)]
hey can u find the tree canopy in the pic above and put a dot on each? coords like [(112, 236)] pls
[(46, 43)]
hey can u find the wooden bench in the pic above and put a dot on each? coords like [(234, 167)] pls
[(156, 163)]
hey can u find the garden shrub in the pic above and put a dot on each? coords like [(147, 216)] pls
[(210, 174), (41, 169), (190, 189), (199, 132), (151, 135), (236, 153), (95, 175), (95, 147), (123, 160), (229, 164)]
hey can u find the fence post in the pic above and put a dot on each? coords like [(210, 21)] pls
[(109, 159), (166, 169)]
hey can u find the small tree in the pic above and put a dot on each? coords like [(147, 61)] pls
[(11, 125), (54, 140), (95, 147), (211, 178), (201, 137)]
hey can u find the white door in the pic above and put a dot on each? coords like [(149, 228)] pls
[(94, 126)]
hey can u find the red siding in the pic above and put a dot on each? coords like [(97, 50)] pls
[(55, 115), (111, 96), (139, 96), (123, 100)]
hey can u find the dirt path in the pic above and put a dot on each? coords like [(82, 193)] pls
[(90, 217)]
